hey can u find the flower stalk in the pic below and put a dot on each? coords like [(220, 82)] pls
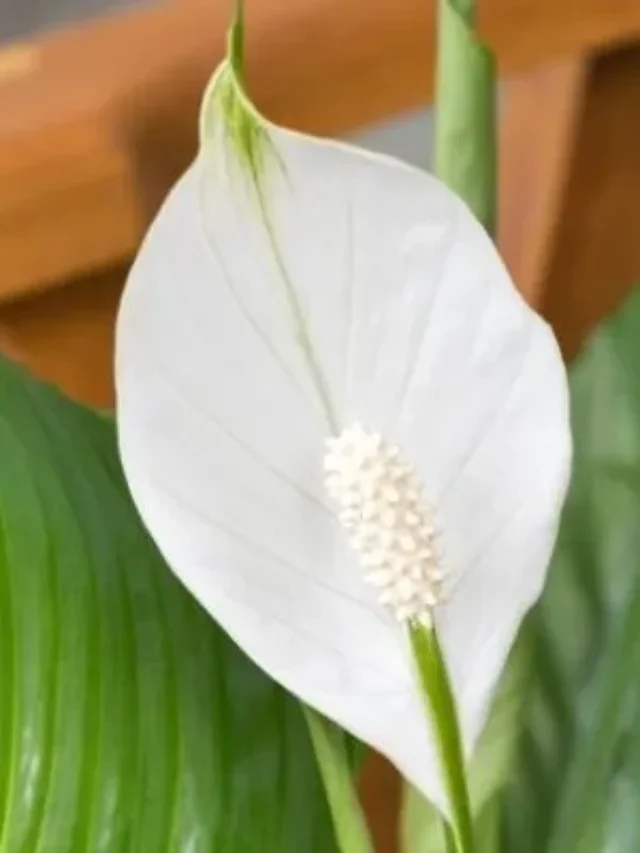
[(441, 708)]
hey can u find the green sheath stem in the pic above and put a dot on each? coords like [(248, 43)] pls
[(467, 10), (441, 707), (465, 130), (336, 770)]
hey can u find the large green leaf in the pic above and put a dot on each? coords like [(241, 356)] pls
[(128, 720), (580, 763), (576, 786)]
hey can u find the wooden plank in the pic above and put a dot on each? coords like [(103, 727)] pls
[(348, 64), (538, 134), (66, 335), (381, 794), (129, 86), (595, 257), (324, 65), (68, 205)]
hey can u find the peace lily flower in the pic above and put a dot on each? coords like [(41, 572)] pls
[(339, 419)]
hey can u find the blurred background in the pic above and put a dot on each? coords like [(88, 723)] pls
[(23, 18), (98, 105)]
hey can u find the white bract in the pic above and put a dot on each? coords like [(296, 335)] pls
[(292, 291)]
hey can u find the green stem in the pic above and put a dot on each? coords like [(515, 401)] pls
[(466, 9), (465, 130), (441, 707), (235, 48), (336, 770)]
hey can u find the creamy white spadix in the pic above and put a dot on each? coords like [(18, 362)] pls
[(390, 527), (337, 415)]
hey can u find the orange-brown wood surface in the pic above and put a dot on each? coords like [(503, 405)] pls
[(320, 64), (595, 256), (119, 96), (69, 203), (65, 334), (538, 135)]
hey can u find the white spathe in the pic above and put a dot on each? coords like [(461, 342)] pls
[(278, 299)]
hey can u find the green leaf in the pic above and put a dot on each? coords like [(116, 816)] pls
[(579, 782), (128, 720), (332, 748)]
